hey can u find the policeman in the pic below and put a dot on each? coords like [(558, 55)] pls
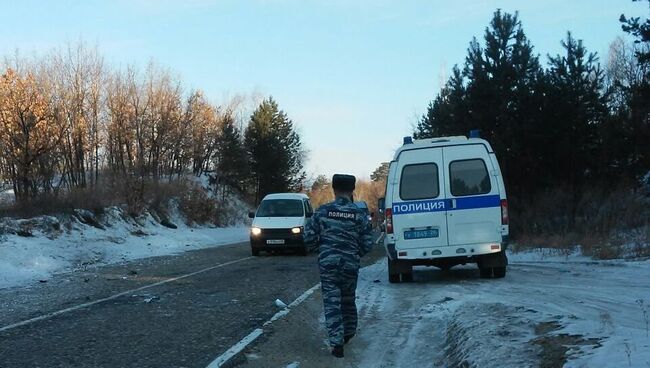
[(342, 234)]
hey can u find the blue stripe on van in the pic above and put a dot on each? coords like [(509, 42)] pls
[(467, 203), (438, 205)]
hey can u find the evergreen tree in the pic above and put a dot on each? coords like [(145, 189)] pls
[(641, 30), (579, 107), (504, 92), (447, 114), (499, 91), (638, 114), (232, 163), (274, 150), (380, 173)]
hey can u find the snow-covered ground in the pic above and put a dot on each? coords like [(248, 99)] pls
[(52, 248), (548, 308)]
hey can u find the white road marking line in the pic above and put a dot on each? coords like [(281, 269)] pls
[(241, 345), (88, 304), (380, 238), (235, 349)]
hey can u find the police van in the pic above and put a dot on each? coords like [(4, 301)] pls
[(445, 205)]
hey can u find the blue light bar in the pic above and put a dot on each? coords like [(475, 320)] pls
[(408, 140)]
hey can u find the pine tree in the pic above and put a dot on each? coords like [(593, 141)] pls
[(380, 173), (447, 114), (641, 30), (500, 92), (274, 150), (638, 118), (579, 107), (231, 157)]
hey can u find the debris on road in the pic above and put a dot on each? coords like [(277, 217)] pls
[(280, 304), (151, 299)]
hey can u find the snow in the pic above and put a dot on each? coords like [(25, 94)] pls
[(551, 306), (69, 243), (27, 259), (7, 196)]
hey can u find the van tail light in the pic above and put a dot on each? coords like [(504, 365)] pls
[(389, 220), (504, 212)]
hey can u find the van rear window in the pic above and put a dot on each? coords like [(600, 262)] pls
[(419, 181), (469, 177)]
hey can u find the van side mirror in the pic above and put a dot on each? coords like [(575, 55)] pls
[(251, 215), (309, 214)]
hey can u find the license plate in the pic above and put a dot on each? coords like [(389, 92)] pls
[(275, 242), (421, 234)]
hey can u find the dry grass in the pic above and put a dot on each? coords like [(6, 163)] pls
[(608, 223), (93, 199), (136, 196), (198, 207)]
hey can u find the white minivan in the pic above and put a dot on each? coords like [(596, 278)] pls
[(445, 205), (279, 223)]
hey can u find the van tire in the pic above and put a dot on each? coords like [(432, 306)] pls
[(393, 274), (486, 272), (255, 252), (303, 252), (499, 272), (407, 277)]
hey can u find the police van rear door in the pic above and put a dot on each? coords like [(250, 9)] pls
[(419, 213), (475, 206)]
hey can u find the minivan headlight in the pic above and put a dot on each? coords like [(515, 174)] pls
[(296, 230), (256, 231)]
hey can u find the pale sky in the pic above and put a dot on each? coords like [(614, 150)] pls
[(354, 76)]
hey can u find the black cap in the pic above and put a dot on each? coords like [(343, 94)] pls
[(344, 183)]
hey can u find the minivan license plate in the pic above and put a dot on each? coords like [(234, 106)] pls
[(421, 234), (275, 241)]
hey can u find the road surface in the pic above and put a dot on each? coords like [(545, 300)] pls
[(192, 309)]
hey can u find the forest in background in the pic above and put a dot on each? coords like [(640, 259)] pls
[(571, 134), (76, 133)]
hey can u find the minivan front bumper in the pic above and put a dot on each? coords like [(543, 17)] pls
[(268, 239)]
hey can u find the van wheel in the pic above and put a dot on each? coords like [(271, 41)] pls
[(407, 277), (499, 272), (486, 272), (303, 252), (393, 275), (255, 252)]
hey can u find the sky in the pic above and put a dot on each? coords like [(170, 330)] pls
[(354, 76)]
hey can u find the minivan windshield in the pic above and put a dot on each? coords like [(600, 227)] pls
[(281, 208)]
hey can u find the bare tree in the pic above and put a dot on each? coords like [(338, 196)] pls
[(28, 133)]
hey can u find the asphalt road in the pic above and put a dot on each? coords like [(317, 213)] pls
[(97, 318)]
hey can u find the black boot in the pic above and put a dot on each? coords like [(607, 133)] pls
[(347, 338), (337, 351)]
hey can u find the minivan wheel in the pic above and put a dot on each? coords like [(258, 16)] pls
[(407, 277), (303, 252), (499, 272), (393, 275), (255, 252), (486, 272)]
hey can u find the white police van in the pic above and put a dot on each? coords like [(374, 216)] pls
[(445, 205)]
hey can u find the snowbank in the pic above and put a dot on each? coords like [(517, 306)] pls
[(35, 249), (551, 310)]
